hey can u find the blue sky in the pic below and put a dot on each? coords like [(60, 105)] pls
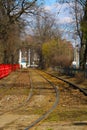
[(49, 2), (62, 9), (64, 17)]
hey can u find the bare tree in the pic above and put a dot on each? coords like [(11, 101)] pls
[(80, 16), (80, 12), (44, 30), (11, 22)]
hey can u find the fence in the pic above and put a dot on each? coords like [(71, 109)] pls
[(6, 69), (72, 71)]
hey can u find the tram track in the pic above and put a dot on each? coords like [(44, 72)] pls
[(49, 77), (83, 90), (50, 88), (43, 97), (14, 84), (51, 109)]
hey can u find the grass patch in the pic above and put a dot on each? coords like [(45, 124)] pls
[(30, 111), (38, 111), (46, 129), (14, 91), (68, 115)]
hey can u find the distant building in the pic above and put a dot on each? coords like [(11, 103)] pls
[(22, 60), (28, 58)]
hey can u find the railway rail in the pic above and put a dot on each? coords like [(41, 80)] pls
[(83, 90), (51, 88), (16, 81), (46, 85), (51, 109), (49, 79)]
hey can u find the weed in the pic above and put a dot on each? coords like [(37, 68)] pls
[(49, 129)]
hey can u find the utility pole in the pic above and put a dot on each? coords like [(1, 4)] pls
[(29, 58), (77, 56), (20, 57)]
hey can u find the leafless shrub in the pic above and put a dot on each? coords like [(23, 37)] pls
[(80, 77)]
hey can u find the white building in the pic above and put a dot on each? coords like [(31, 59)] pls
[(22, 60), (28, 59)]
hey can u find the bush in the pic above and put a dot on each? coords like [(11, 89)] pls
[(80, 77)]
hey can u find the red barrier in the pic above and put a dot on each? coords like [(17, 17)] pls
[(6, 69), (1, 71), (15, 67)]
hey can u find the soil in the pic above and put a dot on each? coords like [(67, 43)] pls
[(17, 114)]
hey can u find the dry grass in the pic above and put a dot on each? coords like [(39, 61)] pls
[(80, 78)]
